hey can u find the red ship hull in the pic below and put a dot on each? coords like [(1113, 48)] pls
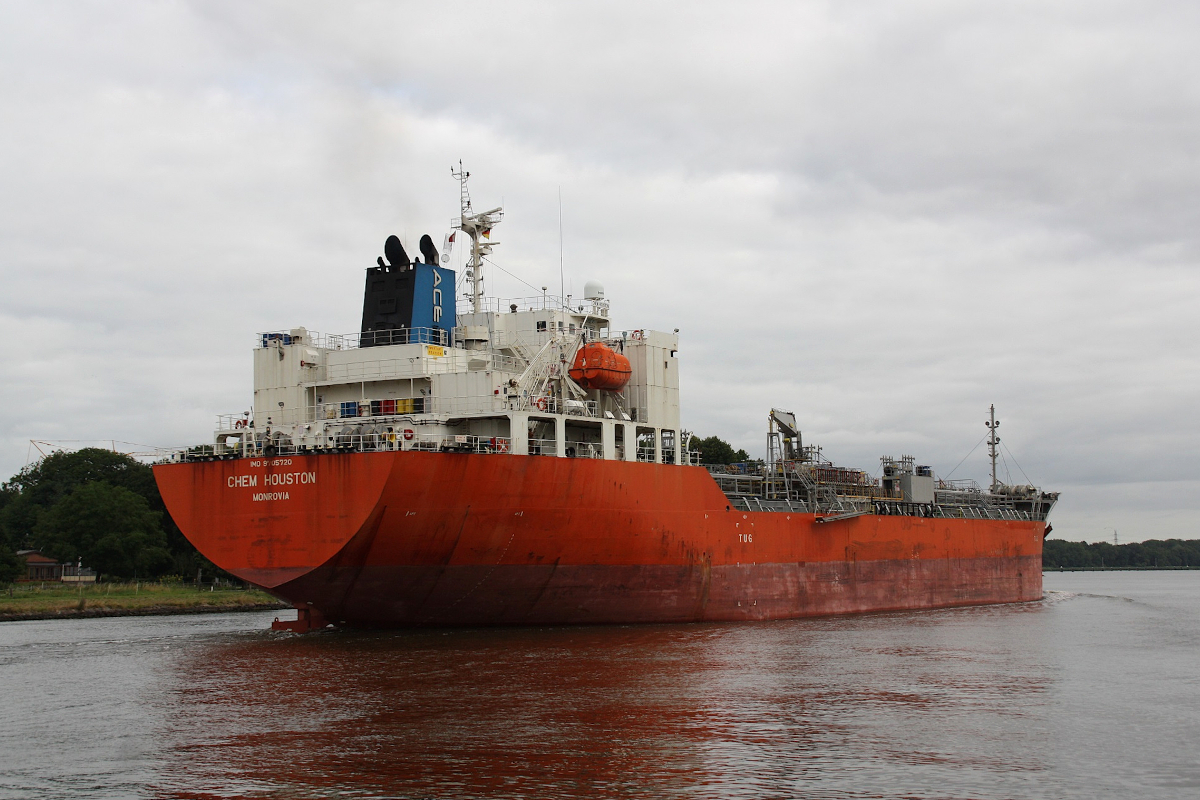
[(398, 539)]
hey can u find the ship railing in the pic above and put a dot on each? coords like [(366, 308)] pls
[(547, 404), (420, 366), (739, 485), (737, 468), (250, 445), (502, 363), (392, 368), (407, 439), (527, 343), (959, 485), (352, 341), (377, 410), (544, 404), (547, 302), (471, 404), (572, 448), (346, 442), (382, 410), (759, 504), (750, 501), (984, 512), (743, 503), (584, 449), (373, 410), (958, 498), (232, 423), (462, 443)]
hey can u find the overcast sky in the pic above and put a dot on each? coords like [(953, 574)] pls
[(882, 216)]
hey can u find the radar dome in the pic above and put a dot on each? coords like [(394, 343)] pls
[(593, 290)]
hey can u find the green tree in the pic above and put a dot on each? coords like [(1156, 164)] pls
[(1148, 554), (17, 517), (1057, 553), (35, 490), (49, 480), (714, 450), (8, 495), (112, 529), (11, 566)]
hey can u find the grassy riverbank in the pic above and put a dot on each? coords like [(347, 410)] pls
[(24, 601)]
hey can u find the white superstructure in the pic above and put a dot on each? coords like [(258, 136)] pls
[(496, 382)]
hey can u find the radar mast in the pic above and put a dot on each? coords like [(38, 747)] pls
[(475, 225)]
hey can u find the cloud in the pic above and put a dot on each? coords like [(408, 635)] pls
[(883, 217)]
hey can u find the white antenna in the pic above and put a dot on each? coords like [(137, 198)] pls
[(562, 287), (475, 225)]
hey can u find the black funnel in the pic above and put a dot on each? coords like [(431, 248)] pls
[(428, 250), (395, 252)]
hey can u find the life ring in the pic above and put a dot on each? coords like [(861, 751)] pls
[(241, 423), (408, 434), (542, 405), (500, 445), (636, 335)]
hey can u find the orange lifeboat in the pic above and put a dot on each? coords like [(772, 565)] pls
[(598, 367)]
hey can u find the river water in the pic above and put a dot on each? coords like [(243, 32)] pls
[(1092, 692)]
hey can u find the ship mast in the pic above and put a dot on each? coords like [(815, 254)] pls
[(475, 225), (993, 440)]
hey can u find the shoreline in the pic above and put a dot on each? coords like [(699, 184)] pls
[(101, 610), (142, 611), (1118, 569)]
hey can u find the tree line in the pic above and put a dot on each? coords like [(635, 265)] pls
[(715, 450), (96, 507), (1152, 553)]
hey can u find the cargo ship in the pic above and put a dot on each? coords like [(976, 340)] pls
[(523, 463)]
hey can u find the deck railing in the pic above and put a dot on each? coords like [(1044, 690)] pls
[(371, 441), (352, 341), (391, 409), (350, 442)]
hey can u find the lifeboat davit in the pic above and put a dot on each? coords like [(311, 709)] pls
[(597, 366)]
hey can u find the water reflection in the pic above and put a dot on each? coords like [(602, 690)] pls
[(1090, 693), (860, 707)]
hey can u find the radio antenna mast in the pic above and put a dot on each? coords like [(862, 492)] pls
[(475, 225), (562, 284), (993, 440)]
